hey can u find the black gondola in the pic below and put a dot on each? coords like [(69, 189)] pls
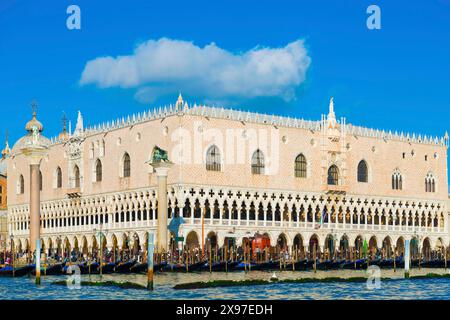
[(108, 268), (159, 266), (324, 265), (139, 268), (336, 264), (241, 266), (174, 267), (358, 264), (124, 267), (270, 265), (299, 265), (386, 263), (219, 266), (89, 268), (53, 270), (17, 272)]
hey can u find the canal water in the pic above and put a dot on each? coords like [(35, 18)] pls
[(24, 288)]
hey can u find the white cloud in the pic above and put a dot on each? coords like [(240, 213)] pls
[(159, 66)]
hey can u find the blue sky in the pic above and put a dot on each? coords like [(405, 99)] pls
[(395, 78)]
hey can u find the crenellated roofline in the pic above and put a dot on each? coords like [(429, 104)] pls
[(181, 108)]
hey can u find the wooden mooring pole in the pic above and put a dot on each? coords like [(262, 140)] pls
[(150, 250)]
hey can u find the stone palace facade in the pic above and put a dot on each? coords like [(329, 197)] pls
[(236, 174)]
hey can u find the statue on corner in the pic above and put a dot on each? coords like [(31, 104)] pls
[(159, 155)]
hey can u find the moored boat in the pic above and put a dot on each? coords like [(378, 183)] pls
[(8, 271), (242, 266), (124, 267), (52, 270), (139, 268), (108, 268)]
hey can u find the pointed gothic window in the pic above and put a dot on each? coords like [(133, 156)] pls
[(126, 165), (300, 166), (98, 171), (333, 175), (258, 162), (76, 174), (430, 183), (363, 175), (397, 183), (21, 185), (58, 178), (213, 159)]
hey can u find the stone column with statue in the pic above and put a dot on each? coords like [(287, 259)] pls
[(161, 166), (33, 146)]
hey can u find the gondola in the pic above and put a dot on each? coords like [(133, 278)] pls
[(174, 267), (124, 267), (267, 266), (435, 263), (52, 270), (386, 263), (17, 272), (375, 262), (358, 264), (159, 266), (139, 268), (324, 265), (108, 268), (336, 264), (219, 266), (242, 266), (196, 266), (399, 262), (414, 262), (88, 268)]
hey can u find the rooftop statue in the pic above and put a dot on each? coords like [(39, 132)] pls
[(159, 155)]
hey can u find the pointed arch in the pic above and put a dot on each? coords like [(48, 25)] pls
[(126, 163), (333, 175), (363, 172), (300, 166), (76, 175), (20, 185), (213, 159), (58, 178), (258, 162), (98, 171)]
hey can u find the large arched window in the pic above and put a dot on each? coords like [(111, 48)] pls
[(40, 180), (76, 175), (98, 171), (58, 178), (333, 175), (430, 183), (126, 165), (363, 174), (21, 185), (258, 162), (397, 181), (300, 166), (213, 159)]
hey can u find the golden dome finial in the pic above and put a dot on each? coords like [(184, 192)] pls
[(34, 123)]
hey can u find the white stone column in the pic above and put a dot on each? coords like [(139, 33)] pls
[(35, 200), (162, 170)]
